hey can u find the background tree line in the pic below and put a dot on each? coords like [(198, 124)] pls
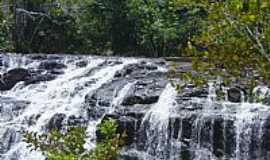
[(119, 27)]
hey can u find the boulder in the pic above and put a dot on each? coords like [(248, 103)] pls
[(143, 99), (235, 95), (56, 122), (40, 78), (11, 78), (76, 120), (145, 91), (81, 63), (192, 92), (51, 65)]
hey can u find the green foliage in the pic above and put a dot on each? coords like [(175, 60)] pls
[(108, 129), (5, 31), (69, 145), (164, 27), (235, 43), (110, 146), (122, 27), (50, 30)]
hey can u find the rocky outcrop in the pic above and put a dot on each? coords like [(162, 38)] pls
[(146, 84), (193, 126), (51, 65), (145, 91), (12, 77), (56, 122), (60, 120), (138, 70), (235, 95)]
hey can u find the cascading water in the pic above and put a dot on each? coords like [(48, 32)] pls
[(161, 124), (156, 124), (92, 126), (64, 95)]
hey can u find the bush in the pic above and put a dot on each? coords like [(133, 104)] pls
[(70, 144)]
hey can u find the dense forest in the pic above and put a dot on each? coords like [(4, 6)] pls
[(119, 27)]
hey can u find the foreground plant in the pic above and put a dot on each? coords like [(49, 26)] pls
[(69, 145)]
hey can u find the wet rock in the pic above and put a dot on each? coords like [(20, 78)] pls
[(191, 92), (110, 62), (230, 137), (33, 119), (186, 104), (136, 70), (151, 67), (8, 137), (129, 157), (56, 122), (11, 78), (255, 152), (218, 137), (105, 94), (38, 57), (129, 121), (144, 92), (186, 137), (131, 100), (235, 95), (47, 71), (136, 112), (76, 120), (266, 137), (51, 65), (81, 63), (99, 101), (161, 62), (40, 78)]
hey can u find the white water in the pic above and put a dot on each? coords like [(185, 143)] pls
[(66, 95), (197, 129), (92, 126), (157, 119), (247, 118)]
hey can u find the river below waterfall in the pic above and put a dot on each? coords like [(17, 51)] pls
[(41, 92)]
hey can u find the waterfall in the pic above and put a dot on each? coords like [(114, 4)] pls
[(92, 126), (156, 122), (161, 124), (64, 95)]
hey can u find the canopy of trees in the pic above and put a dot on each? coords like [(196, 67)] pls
[(121, 27), (235, 42)]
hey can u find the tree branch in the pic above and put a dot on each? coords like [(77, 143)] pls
[(31, 13), (258, 42)]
